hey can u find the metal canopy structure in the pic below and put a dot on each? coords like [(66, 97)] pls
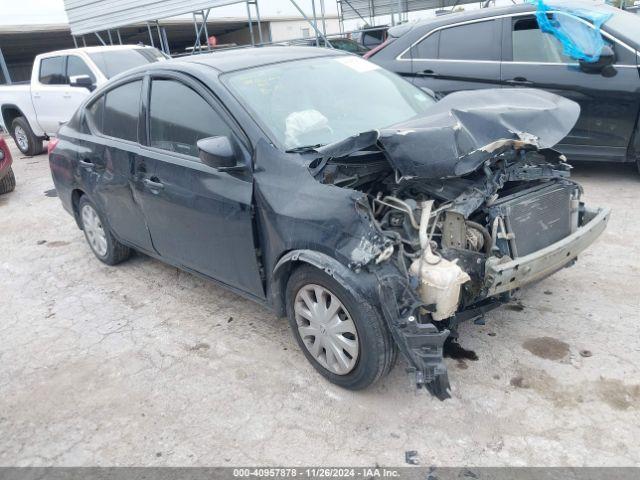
[(363, 9), (89, 16)]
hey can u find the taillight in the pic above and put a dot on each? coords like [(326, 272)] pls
[(375, 50), (53, 143)]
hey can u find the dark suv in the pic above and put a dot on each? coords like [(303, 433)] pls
[(504, 47)]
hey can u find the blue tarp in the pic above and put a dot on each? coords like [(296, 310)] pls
[(579, 41)]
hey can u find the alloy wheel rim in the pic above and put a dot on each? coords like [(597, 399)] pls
[(326, 329), (93, 229), (21, 138)]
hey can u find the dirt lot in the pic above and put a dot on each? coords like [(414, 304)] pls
[(142, 364)]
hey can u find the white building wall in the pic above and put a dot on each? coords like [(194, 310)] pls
[(282, 30)]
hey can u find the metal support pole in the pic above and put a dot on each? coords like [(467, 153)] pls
[(119, 37), (315, 22), (110, 37), (199, 29), (150, 34), (100, 38), (315, 28), (322, 13), (75, 42), (162, 47), (84, 41), (206, 30), (166, 40), (253, 41), (5, 70), (196, 44), (255, 4)]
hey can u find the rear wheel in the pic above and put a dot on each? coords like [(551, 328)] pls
[(101, 241), (26, 141), (8, 182), (339, 332)]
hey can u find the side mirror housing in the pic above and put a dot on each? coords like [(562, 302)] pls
[(219, 153), (83, 81), (604, 63)]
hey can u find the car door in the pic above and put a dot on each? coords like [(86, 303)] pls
[(72, 97), (110, 164), (199, 218), (457, 57), (48, 91), (609, 104)]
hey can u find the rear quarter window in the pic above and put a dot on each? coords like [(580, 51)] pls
[(121, 111)]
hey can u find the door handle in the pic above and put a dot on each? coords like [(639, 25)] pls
[(427, 73), (153, 183), (87, 164), (519, 81)]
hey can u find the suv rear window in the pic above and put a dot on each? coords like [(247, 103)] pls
[(113, 62)]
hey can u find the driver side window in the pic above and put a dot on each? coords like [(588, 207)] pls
[(530, 44), (179, 117)]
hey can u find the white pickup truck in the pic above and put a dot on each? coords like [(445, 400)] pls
[(60, 80)]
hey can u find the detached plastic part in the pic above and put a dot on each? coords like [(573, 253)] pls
[(579, 40)]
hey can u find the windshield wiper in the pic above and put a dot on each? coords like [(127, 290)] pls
[(305, 148)]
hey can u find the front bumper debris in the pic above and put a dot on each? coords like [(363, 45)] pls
[(513, 274)]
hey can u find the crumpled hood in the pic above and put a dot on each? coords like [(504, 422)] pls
[(463, 130)]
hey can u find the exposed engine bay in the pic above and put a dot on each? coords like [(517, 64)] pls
[(445, 236)]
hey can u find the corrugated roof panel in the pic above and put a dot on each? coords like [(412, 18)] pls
[(87, 16), (370, 8)]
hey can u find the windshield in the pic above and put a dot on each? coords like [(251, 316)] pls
[(113, 62), (324, 100)]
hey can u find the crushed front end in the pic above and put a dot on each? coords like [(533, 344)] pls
[(495, 218)]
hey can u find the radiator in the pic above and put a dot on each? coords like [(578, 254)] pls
[(536, 217)]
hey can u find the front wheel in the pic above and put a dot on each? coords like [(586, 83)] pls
[(340, 333), (26, 141), (100, 239)]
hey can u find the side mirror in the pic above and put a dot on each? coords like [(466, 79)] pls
[(83, 81), (219, 153), (604, 63)]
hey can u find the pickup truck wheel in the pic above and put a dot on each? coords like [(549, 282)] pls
[(26, 141), (101, 241), (342, 335), (8, 182)]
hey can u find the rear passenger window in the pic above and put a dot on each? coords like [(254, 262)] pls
[(179, 117), (121, 107), (473, 41), (95, 113), (52, 71)]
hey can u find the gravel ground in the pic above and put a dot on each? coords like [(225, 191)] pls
[(142, 364)]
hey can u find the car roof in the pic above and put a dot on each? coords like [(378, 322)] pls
[(243, 58), (101, 48), (457, 17)]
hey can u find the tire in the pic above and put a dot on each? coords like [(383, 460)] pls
[(8, 182), (26, 141), (106, 248), (375, 351)]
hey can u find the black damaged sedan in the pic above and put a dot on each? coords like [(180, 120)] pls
[(332, 191)]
